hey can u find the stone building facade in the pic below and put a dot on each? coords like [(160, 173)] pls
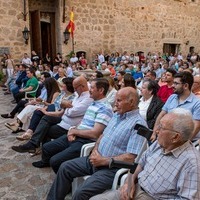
[(105, 25)]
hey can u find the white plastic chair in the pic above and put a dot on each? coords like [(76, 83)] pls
[(123, 172), (31, 92), (196, 144), (85, 151)]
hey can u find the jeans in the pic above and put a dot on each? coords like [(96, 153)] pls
[(35, 119), (19, 107), (45, 130)]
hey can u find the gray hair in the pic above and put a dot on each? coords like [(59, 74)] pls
[(183, 123)]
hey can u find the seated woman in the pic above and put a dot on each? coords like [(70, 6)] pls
[(120, 76), (150, 105), (111, 91), (24, 116), (61, 73), (31, 85), (128, 81), (22, 103), (51, 110)]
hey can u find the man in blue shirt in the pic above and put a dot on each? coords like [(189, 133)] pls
[(182, 98), (119, 141)]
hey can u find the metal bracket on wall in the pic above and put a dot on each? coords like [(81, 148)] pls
[(63, 11), (24, 13)]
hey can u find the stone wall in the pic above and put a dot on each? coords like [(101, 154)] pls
[(108, 25), (134, 25), (11, 28)]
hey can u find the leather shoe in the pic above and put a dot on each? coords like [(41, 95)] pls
[(40, 164), (28, 147), (5, 93), (7, 116)]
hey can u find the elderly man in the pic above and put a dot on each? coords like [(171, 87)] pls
[(95, 120), (184, 98), (119, 141), (169, 169)]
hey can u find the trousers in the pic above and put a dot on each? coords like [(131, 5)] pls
[(115, 195), (60, 150), (46, 130), (100, 180)]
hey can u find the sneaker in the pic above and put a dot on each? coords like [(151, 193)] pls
[(40, 164), (28, 147)]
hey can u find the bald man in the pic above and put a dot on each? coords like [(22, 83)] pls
[(119, 141), (54, 127)]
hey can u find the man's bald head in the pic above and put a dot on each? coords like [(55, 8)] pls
[(127, 99), (80, 85)]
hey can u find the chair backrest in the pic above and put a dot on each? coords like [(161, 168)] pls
[(30, 92), (196, 144)]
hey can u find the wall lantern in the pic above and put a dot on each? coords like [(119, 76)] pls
[(66, 36), (26, 33)]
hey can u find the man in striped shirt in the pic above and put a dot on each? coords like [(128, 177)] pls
[(119, 141), (96, 118)]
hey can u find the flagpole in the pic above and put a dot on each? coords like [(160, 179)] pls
[(70, 27), (73, 44)]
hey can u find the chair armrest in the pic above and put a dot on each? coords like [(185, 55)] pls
[(86, 149), (118, 175)]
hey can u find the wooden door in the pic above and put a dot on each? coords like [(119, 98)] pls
[(36, 43)]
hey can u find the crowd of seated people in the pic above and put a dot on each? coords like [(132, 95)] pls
[(145, 88)]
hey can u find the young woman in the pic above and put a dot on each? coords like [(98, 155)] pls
[(25, 115)]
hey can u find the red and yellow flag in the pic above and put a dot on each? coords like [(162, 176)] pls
[(71, 27)]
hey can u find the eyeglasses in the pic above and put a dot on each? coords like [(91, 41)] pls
[(165, 129)]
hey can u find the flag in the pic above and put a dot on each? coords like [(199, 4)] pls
[(71, 27)]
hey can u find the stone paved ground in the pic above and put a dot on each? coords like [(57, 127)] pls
[(19, 180)]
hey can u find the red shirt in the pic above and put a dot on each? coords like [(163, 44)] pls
[(164, 92)]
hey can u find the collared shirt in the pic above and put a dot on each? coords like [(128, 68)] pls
[(143, 107), (43, 94), (175, 175), (98, 112), (110, 96), (192, 103), (73, 116), (119, 137), (164, 92)]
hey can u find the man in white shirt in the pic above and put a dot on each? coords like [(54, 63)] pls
[(26, 60), (73, 59)]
